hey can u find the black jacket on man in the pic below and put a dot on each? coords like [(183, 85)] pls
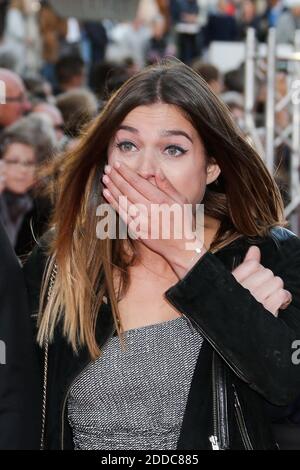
[(245, 365), (19, 377)]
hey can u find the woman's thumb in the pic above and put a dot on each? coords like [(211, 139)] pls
[(253, 254)]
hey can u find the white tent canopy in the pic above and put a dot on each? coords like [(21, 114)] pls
[(120, 10)]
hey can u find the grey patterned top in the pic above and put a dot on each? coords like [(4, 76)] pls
[(135, 399)]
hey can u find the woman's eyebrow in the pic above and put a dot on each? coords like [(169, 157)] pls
[(128, 128), (165, 133)]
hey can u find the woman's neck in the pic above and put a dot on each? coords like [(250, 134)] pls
[(153, 262)]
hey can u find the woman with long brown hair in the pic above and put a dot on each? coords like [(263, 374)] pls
[(165, 342)]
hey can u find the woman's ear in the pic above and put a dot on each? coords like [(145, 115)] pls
[(213, 171)]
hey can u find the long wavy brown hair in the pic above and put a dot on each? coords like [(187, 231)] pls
[(245, 200)]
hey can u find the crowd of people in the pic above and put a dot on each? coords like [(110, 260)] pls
[(57, 76)]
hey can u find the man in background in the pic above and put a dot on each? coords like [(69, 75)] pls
[(15, 103), (20, 405)]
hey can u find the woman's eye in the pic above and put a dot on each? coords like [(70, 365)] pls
[(175, 151), (126, 146)]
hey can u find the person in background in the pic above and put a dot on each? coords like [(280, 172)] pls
[(38, 88), (20, 418), (24, 214), (288, 23), (22, 34), (184, 14), (248, 18), (53, 30), (96, 35), (78, 108), (129, 40), (230, 7), (152, 15), (70, 73), (220, 26), (235, 102), (55, 116), (274, 10), (3, 12), (16, 101), (269, 18), (234, 80), (8, 59), (210, 74), (107, 77)]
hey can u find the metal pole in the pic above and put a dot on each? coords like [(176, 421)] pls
[(295, 136), (291, 134), (270, 111), (295, 155), (250, 126), (250, 77)]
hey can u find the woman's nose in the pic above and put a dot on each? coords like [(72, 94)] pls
[(147, 167), (148, 174)]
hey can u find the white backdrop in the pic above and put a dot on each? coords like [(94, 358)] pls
[(230, 55)]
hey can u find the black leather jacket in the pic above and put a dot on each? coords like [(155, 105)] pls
[(245, 362), (19, 376)]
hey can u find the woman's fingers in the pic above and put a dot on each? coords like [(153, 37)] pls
[(134, 215), (244, 270), (117, 206), (277, 301), (265, 287), (250, 265), (166, 186), (253, 254), (289, 299), (120, 187), (130, 183), (141, 190), (148, 218), (257, 281), (272, 285)]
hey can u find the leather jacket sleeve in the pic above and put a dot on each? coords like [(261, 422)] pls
[(19, 374), (258, 346)]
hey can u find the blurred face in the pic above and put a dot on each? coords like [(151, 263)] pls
[(216, 86), (77, 81), (223, 5), (55, 116), (248, 10), (296, 11), (20, 166), (160, 137), (17, 103)]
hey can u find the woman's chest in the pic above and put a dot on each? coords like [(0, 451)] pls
[(145, 304)]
